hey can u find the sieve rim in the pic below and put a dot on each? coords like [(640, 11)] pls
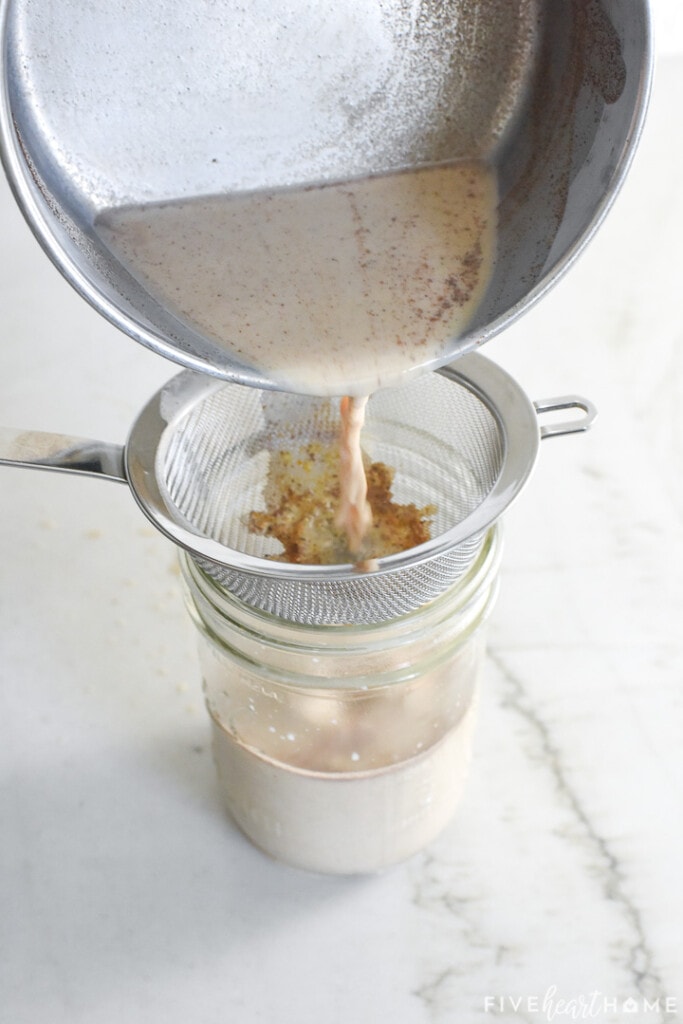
[(150, 434)]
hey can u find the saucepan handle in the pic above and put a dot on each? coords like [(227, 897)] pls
[(571, 426), (35, 449)]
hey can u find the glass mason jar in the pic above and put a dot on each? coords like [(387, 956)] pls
[(343, 749)]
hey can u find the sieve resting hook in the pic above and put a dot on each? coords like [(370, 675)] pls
[(571, 426)]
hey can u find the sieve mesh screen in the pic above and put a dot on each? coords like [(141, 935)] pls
[(445, 444)]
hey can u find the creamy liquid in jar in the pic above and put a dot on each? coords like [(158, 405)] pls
[(345, 824), (330, 289), (335, 778)]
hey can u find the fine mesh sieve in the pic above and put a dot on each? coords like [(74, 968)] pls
[(445, 446), (463, 440)]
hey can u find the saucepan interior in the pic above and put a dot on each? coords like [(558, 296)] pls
[(107, 105)]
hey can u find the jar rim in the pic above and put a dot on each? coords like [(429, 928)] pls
[(483, 570)]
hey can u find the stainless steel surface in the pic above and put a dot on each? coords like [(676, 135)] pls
[(464, 439), (104, 105), (571, 426), (34, 449)]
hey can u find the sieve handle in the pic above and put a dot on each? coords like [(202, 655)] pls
[(35, 449), (573, 426)]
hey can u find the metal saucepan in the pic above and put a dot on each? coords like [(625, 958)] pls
[(106, 105)]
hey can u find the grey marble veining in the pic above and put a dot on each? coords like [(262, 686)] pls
[(604, 862)]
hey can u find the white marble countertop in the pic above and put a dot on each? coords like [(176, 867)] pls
[(127, 895)]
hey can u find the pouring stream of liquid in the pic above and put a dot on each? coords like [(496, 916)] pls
[(354, 515)]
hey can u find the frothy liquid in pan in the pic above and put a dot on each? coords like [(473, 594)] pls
[(334, 289)]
